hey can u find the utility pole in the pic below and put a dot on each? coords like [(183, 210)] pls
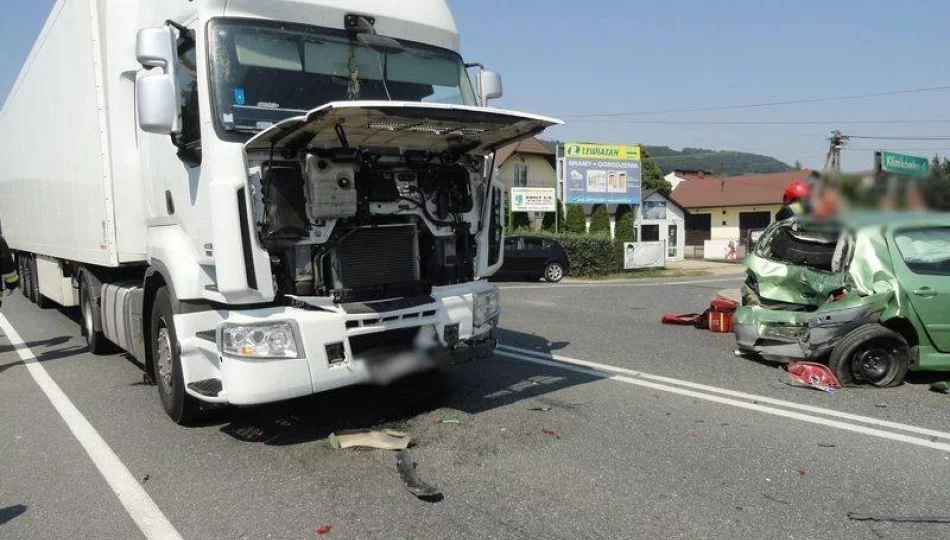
[(833, 160)]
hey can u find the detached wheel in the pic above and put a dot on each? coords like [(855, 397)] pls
[(95, 339), (871, 354), (553, 272), (166, 362)]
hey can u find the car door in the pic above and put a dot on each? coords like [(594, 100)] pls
[(922, 262), (514, 256), (534, 256)]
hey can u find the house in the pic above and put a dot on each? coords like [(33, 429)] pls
[(726, 209), (528, 163), (661, 218)]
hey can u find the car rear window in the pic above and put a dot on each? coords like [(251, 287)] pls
[(926, 251)]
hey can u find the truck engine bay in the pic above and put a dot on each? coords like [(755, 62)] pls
[(368, 225)]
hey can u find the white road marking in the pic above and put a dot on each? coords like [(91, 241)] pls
[(735, 277), (744, 401), (141, 507), (741, 395)]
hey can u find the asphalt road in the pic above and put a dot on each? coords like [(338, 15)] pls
[(651, 446)]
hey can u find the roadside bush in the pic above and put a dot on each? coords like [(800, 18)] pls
[(600, 221), (587, 255), (519, 222), (575, 222), (623, 233)]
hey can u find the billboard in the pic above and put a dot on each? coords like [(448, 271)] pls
[(602, 174), (525, 199)]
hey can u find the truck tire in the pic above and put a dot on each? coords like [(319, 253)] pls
[(21, 271), (166, 362), (97, 342), (871, 354)]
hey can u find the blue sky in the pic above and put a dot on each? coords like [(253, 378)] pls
[(572, 58)]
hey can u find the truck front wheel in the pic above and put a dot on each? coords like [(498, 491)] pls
[(166, 362)]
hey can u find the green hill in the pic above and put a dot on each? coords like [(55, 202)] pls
[(724, 162)]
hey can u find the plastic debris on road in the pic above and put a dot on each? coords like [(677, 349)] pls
[(942, 386), (551, 433), (407, 471), (812, 375), (324, 530), (387, 439), (543, 407), (450, 420)]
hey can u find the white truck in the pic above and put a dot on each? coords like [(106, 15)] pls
[(259, 200)]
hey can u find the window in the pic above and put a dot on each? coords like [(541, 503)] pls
[(649, 233), (533, 244), (926, 251), (188, 87), (521, 175)]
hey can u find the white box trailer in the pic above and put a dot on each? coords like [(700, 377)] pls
[(259, 200)]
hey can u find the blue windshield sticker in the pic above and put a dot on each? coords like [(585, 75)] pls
[(239, 98)]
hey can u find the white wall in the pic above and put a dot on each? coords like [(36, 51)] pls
[(674, 217)]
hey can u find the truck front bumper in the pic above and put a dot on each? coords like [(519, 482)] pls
[(338, 345)]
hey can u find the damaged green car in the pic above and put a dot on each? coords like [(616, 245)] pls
[(869, 294)]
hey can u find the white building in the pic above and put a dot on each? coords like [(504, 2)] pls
[(660, 218)]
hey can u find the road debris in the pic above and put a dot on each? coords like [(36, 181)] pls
[(450, 420), (802, 472), (812, 375), (857, 516), (551, 433), (775, 499), (826, 445), (941, 386), (145, 478), (407, 471), (324, 530), (387, 439), (543, 407)]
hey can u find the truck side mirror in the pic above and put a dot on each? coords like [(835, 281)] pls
[(155, 48), (489, 86), (156, 103), (156, 99)]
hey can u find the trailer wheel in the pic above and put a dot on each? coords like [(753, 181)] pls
[(25, 287), (97, 342), (166, 362), (871, 354)]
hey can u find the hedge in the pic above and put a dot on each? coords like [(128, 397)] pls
[(576, 221), (588, 255)]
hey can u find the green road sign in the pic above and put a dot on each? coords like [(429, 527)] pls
[(903, 164)]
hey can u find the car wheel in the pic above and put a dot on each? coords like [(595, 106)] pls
[(166, 362), (553, 272), (871, 354), (95, 339)]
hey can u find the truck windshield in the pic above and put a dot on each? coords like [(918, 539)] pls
[(263, 73)]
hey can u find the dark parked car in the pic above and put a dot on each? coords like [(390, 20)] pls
[(533, 257)]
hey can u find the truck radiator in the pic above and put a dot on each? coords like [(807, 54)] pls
[(377, 262)]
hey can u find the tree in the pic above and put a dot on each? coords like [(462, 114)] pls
[(936, 187), (575, 222), (548, 223), (623, 233), (600, 220), (652, 176), (798, 165), (520, 221)]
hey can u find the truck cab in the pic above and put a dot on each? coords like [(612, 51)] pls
[(299, 194)]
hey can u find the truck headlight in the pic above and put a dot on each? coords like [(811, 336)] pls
[(272, 340), (487, 307)]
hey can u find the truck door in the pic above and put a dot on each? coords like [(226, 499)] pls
[(923, 268)]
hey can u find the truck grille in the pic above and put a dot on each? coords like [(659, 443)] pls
[(378, 262)]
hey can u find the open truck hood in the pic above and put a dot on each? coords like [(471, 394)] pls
[(432, 127)]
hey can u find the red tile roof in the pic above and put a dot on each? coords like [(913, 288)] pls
[(530, 145), (748, 190)]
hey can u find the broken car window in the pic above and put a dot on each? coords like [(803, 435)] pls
[(926, 251)]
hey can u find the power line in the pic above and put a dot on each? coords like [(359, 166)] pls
[(763, 122), (766, 104), (901, 138)]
